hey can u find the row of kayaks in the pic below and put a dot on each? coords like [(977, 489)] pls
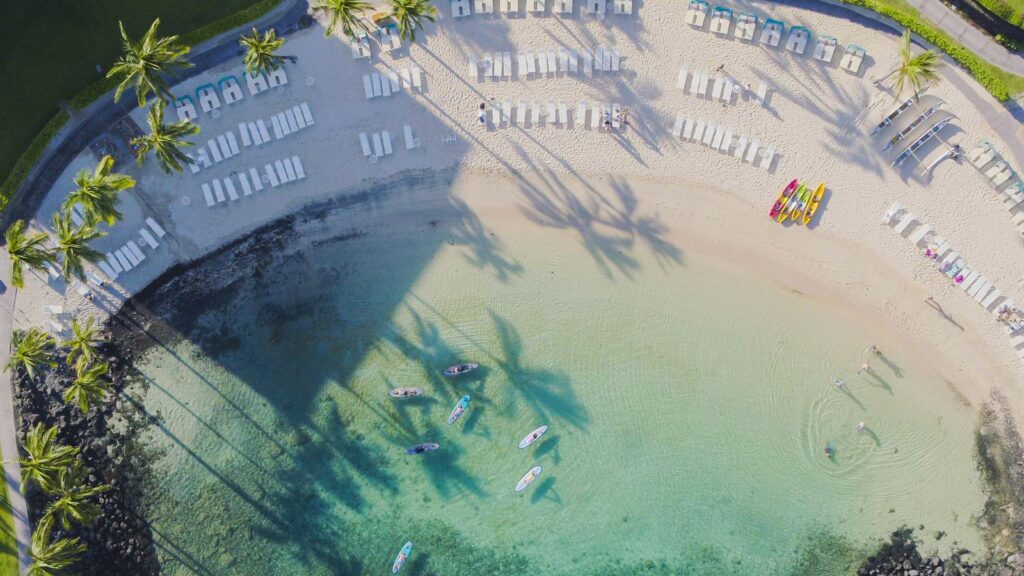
[(797, 202)]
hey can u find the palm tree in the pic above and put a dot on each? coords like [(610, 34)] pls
[(46, 458), (917, 71), (26, 251), (73, 245), (145, 62), (409, 15), (90, 385), (73, 498), (97, 192), (344, 12), (83, 342), (51, 558), (32, 349), (166, 140), (260, 51)]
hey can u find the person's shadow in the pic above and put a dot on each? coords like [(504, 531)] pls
[(938, 308)]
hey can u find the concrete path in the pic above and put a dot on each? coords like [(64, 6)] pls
[(90, 123), (980, 43)]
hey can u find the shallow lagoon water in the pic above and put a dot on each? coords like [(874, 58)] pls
[(689, 405)]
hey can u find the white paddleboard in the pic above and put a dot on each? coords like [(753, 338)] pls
[(533, 436), (530, 477)]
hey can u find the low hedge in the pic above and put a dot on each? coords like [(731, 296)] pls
[(97, 89), (975, 65), (29, 158), (1002, 9)]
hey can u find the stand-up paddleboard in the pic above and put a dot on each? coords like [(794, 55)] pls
[(421, 448), (402, 557), (459, 409), (533, 436), (460, 369), (405, 392), (529, 478)]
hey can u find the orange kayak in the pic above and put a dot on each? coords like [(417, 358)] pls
[(815, 202)]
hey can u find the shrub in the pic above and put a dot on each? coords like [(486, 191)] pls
[(978, 68), (29, 158), (1000, 8)]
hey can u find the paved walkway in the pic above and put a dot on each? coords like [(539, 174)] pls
[(88, 124), (982, 44)]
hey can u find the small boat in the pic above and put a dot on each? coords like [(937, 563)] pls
[(784, 197), (794, 204), (405, 392), (421, 448), (805, 199), (892, 116), (533, 436), (402, 557), (460, 369), (528, 479), (815, 202), (459, 409)]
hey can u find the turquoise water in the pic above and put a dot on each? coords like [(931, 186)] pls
[(689, 406)]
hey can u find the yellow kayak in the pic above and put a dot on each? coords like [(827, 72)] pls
[(815, 202), (793, 201), (798, 211)]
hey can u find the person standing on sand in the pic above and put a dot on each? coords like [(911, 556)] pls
[(875, 350), (864, 368), (482, 114)]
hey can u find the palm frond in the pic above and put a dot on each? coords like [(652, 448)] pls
[(73, 503), (165, 140), (97, 193), (261, 51), (52, 557), (90, 385), (144, 63), (32, 349), (45, 457), (344, 12), (73, 245), (26, 251), (83, 342), (409, 14)]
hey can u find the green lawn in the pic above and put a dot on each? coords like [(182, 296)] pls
[(8, 551), (1009, 10), (49, 52)]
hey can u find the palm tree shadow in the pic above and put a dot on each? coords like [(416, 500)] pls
[(471, 422), (546, 491), (549, 394)]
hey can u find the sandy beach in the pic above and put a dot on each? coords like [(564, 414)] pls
[(818, 117)]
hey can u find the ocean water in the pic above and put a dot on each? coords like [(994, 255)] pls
[(689, 405)]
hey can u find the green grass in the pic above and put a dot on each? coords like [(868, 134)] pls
[(1001, 84), (8, 549), (49, 53), (1009, 10)]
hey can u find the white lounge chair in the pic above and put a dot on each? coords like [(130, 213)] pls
[(721, 20), (484, 7), (622, 7), (688, 129), (230, 89), (596, 8), (741, 145), (745, 24), (767, 156), (563, 7), (521, 113), (410, 141), (825, 48), (752, 151), (681, 78), (300, 170), (852, 58), (360, 46), (256, 83), (677, 129), (208, 99), (277, 78), (364, 142), (185, 109), (563, 113)]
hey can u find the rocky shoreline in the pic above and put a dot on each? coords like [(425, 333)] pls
[(120, 540)]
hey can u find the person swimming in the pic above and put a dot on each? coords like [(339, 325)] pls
[(861, 426), (829, 451)]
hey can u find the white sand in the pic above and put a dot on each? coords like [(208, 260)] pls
[(818, 119)]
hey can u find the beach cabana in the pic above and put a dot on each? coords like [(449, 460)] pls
[(484, 7), (825, 48), (536, 6), (697, 12), (745, 24), (230, 89), (798, 37), (721, 20), (771, 33), (623, 6), (596, 8), (460, 8), (208, 99), (185, 109), (509, 6), (852, 58), (563, 6)]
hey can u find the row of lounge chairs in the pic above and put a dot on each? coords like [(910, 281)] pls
[(130, 255), (544, 62), (378, 84), (555, 113), (209, 99), (1002, 177), (956, 268), (725, 87), (382, 143), (387, 36), (277, 173), (720, 138), (225, 146), (596, 8), (771, 34)]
